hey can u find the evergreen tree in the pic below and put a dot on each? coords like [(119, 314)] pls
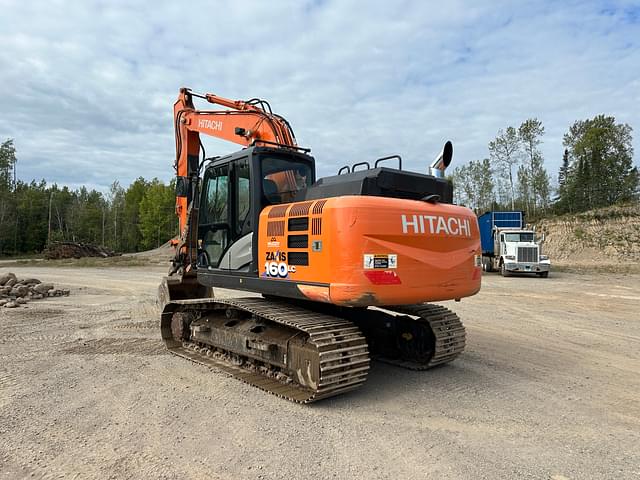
[(564, 170), (157, 220), (601, 170), (131, 235)]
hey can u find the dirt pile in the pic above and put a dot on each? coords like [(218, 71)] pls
[(58, 250), (16, 291), (606, 236)]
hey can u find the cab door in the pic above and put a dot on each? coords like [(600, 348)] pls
[(224, 230), (214, 226)]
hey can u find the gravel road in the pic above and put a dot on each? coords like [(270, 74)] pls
[(548, 388)]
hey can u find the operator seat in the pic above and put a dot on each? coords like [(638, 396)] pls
[(270, 189)]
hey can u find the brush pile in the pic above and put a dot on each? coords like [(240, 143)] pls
[(58, 250)]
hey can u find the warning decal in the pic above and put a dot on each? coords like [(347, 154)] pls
[(372, 261)]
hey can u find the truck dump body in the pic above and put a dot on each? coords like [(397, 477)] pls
[(490, 220)]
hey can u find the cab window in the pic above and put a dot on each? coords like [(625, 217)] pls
[(283, 178), (243, 195), (213, 228)]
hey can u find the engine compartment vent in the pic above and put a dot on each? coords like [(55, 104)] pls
[(319, 205), (298, 241), (275, 229), (278, 211), (300, 209), (316, 226)]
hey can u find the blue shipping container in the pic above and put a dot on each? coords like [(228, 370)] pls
[(489, 220)]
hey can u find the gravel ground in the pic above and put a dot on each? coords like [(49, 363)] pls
[(549, 387)]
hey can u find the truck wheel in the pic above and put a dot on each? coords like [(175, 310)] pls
[(543, 274), (503, 270), (485, 265)]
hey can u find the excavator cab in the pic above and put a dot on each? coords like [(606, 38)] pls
[(234, 191)]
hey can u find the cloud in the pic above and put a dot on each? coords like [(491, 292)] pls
[(88, 87)]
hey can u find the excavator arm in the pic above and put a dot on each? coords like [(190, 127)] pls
[(243, 122)]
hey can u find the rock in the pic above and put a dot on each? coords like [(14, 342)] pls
[(6, 277), (43, 288), (19, 291), (57, 292), (15, 291)]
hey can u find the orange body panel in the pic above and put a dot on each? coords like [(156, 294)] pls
[(366, 250)]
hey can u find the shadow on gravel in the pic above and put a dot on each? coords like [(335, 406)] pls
[(116, 346), (387, 383)]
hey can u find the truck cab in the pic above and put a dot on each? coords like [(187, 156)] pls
[(519, 253)]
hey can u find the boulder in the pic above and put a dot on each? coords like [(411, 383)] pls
[(6, 277), (19, 291), (43, 288)]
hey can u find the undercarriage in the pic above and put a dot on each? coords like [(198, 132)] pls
[(305, 354)]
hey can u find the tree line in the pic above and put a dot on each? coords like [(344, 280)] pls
[(137, 218), (597, 170)]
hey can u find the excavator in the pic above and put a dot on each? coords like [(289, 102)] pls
[(340, 269)]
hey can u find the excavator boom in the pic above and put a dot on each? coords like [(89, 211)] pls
[(244, 122)]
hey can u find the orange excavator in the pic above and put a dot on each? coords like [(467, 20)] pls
[(340, 268)]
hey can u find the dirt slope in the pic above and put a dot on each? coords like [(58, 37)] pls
[(598, 238)]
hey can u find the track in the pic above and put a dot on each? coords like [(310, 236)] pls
[(448, 330), (343, 357), (339, 359)]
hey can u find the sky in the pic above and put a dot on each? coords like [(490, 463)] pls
[(87, 87)]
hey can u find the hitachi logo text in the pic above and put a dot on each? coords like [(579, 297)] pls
[(435, 225), (210, 124)]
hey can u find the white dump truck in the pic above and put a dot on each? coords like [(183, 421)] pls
[(509, 247)]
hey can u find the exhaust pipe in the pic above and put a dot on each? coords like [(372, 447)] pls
[(442, 161)]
